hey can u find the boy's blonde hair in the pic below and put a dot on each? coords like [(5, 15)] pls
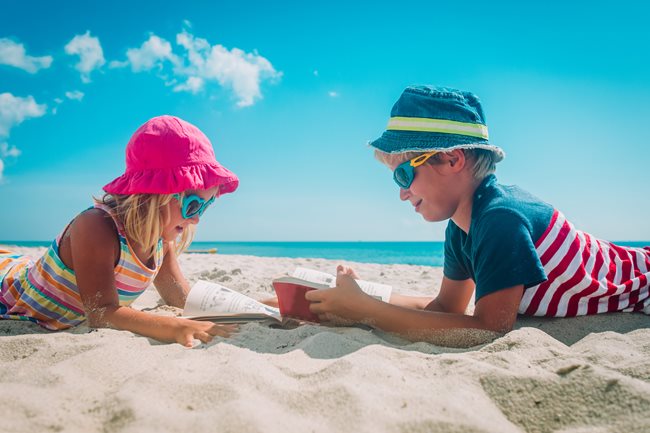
[(143, 217), (484, 160)]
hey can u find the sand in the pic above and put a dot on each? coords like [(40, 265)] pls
[(589, 374)]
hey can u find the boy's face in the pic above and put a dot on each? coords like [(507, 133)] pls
[(432, 193)]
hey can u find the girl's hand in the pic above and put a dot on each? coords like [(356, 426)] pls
[(341, 305), (190, 330), (346, 270)]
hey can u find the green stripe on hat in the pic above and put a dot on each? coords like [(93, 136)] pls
[(423, 124)]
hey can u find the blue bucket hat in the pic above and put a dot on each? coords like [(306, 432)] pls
[(427, 118)]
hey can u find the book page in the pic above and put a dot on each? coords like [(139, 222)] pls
[(377, 290), (207, 298), (315, 276)]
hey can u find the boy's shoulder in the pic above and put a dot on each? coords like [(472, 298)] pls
[(504, 206)]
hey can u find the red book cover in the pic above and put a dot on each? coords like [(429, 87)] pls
[(291, 297)]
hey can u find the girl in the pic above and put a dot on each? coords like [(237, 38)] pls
[(111, 252)]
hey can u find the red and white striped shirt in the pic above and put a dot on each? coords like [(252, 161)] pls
[(586, 275)]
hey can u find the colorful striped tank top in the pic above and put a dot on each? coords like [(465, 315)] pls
[(45, 291), (586, 275)]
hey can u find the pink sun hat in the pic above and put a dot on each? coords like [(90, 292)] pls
[(168, 155)]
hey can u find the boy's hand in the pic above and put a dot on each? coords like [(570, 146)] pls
[(341, 305), (346, 270), (190, 330)]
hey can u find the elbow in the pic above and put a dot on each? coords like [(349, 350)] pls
[(500, 325), (99, 316)]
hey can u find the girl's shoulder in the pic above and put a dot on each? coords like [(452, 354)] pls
[(92, 233), (96, 223)]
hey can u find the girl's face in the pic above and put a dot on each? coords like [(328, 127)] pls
[(176, 223)]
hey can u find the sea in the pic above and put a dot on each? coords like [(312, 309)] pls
[(409, 253)]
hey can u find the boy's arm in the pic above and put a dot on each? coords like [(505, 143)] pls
[(454, 296), (170, 281), (494, 312)]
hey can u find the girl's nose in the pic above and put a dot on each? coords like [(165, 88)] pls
[(404, 194)]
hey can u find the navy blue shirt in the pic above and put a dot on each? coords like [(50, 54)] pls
[(499, 250)]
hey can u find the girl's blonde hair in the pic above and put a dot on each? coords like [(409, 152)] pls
[(485, 160), (143, 217)]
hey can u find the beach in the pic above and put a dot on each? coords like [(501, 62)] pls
[(586, 374)]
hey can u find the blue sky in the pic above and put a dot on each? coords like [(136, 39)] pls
[(292, 92)]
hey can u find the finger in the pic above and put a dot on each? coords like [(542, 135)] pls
[(316, 295), (324, 317), (342, 278), (317, 308), (343, 269), (223, 330), (271, 302), (217, 327), (203, 336)]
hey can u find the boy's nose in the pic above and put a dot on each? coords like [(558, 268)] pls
[(404, 194)]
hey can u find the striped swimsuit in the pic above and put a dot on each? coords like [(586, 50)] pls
[(516, 239), (45, 291)]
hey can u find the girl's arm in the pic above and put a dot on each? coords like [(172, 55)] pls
[(495, 313), (93, 254), (170, 281)]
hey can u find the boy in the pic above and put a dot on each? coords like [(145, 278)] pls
[(517, 253)]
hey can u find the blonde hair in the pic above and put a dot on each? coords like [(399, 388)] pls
[(484, 160), (143, 217)]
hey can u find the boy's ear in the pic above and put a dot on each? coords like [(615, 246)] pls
[(456, 159)]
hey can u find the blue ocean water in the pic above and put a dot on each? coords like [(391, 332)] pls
[(409, 253)]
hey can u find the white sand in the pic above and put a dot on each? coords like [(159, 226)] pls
[(571, 375)]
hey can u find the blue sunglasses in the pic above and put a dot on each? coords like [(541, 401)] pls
[(404, 173), (192, 205)]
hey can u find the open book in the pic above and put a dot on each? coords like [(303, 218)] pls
[(291, 291), (217, 303)]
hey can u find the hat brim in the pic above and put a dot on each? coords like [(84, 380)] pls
[(415, 141), (175, 179)]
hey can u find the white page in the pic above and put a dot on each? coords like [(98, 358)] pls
[(206, 298), (381, 291), (315, 276), (377, 290)]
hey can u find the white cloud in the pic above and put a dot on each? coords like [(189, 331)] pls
[(6, 150), (14, 54), (13, 111), (152, 53), (333, 94), (201, 63), (192, 85), (236, 69), (90, 54), (75, 95), (117, 64)]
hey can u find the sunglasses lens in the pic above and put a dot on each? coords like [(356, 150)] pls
[(192, 208), (402, 177)]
